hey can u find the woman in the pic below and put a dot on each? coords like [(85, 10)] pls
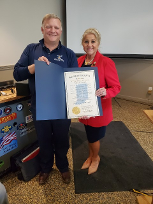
[(109, 87)]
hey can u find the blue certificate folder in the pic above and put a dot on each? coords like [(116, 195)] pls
[(50, 90)]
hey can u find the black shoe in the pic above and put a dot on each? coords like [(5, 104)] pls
[(43, 178), (66, 177)]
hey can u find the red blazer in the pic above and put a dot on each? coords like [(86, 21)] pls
[(108, 78)]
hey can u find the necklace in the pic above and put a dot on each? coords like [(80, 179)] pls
[(86, 63)]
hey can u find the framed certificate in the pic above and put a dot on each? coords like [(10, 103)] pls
[(80, 87), (63, 93)]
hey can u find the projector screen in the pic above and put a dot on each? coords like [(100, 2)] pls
[(126, 26)]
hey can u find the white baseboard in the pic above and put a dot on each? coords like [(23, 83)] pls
[(135, 99)]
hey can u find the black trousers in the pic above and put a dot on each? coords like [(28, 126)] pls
[(53, 141)]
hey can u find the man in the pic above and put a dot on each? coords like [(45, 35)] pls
[(3, 195), (52, 134)]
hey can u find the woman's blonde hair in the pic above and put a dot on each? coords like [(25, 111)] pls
[(92, 31)]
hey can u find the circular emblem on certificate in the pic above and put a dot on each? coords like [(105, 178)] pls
[(19, 107), (76, 110), (7, 110), (1, 111)]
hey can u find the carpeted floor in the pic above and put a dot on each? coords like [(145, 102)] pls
[(55, 191), (124, 164)]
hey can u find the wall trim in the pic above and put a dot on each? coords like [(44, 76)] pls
[(135, 99)]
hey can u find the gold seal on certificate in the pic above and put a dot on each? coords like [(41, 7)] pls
[(76, 110)]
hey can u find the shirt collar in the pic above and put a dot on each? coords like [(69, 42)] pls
[(42, 43)]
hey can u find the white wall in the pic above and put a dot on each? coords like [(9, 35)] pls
[(135, 77), (20, 24)]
